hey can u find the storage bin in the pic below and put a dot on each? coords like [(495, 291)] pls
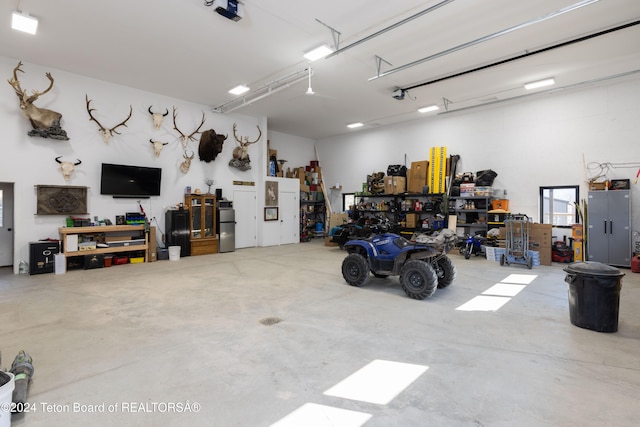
[(500, 204)]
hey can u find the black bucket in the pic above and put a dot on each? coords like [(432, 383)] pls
[(594, 295)]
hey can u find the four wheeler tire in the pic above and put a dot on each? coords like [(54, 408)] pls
[(445, 271), (355, 269), (418, 279)]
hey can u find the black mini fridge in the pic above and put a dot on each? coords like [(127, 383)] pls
[(178, 234), (41, 256)]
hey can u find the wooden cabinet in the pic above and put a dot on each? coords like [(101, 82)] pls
[(202, 223)]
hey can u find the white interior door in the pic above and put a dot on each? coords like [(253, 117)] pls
[(245, 205), (6, 224), (289, 214)]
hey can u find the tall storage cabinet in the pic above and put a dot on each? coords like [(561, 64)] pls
[(202, 213), (609, 226)]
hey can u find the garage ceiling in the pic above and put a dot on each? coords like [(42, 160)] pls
[(462, 52)]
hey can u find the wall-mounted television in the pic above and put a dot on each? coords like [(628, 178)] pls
[(130, 181)]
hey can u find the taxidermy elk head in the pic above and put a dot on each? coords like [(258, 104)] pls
[(184, 166), (67, 167), (157, 146), (158, 117), (242, 151), (210, 145), (106, 133), (185, 138), (45, 123)]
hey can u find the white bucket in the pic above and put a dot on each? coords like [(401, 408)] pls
[(174, 255), (6, 392)]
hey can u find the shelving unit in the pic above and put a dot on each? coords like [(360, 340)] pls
[(124, 231), (312, 211), (471, 213), (202, 223), (401, 210)]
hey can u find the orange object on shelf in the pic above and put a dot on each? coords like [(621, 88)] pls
[(500, 204)]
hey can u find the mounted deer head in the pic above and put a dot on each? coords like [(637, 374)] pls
[(185, 138), (158, 117), (184, 166), (45, 123), (106, 133), (157, 146), (242, 151), (67, 167)]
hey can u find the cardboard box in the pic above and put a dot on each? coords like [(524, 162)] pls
[(411, 220), (399, 184), (417, 176), (337, 219), (545, 256), (328, 242), (541, 234), (467, 190)]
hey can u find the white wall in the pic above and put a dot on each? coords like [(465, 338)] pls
[(29, 161), (540, 141), (297, 151)]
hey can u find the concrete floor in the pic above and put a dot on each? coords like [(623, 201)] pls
[(181, 343)]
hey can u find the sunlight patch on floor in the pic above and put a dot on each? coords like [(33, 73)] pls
[(484, 303), (378, 382), (504, 290), (314, 415)]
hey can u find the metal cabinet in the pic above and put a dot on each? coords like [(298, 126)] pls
[(609, 227)]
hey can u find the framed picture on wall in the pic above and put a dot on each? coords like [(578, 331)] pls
[(271, 193), (270, 213)]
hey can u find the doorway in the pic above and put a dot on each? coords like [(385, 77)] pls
[(6, 224)]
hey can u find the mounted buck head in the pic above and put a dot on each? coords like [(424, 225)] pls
[(157, 146), (158, 117), (185, 138), (106, 133), (242, 151), (210, 145), (46, 123), (67, 167), (184, 166)]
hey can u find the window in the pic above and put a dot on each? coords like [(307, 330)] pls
[(558, 205)]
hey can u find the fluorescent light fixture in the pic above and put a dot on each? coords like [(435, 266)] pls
[(318, 52), (24, 22), (539, 84), (239, 90), (355, 125), (428, 109)]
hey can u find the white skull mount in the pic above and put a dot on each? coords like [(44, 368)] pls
[(67, 167)]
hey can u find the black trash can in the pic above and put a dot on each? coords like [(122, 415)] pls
[(594, 295)]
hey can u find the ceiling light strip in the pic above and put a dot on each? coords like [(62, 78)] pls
[(262, 91), (487, 38), (525, 55), (526, 95), (384, 30)]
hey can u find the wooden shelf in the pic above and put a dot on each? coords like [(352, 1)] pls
[(106, 229)]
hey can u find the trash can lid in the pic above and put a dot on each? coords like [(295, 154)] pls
[(593, 268)]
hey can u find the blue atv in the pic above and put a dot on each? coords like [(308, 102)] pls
[(421, 262)]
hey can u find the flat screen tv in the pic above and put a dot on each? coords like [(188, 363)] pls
[(130, 181)]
